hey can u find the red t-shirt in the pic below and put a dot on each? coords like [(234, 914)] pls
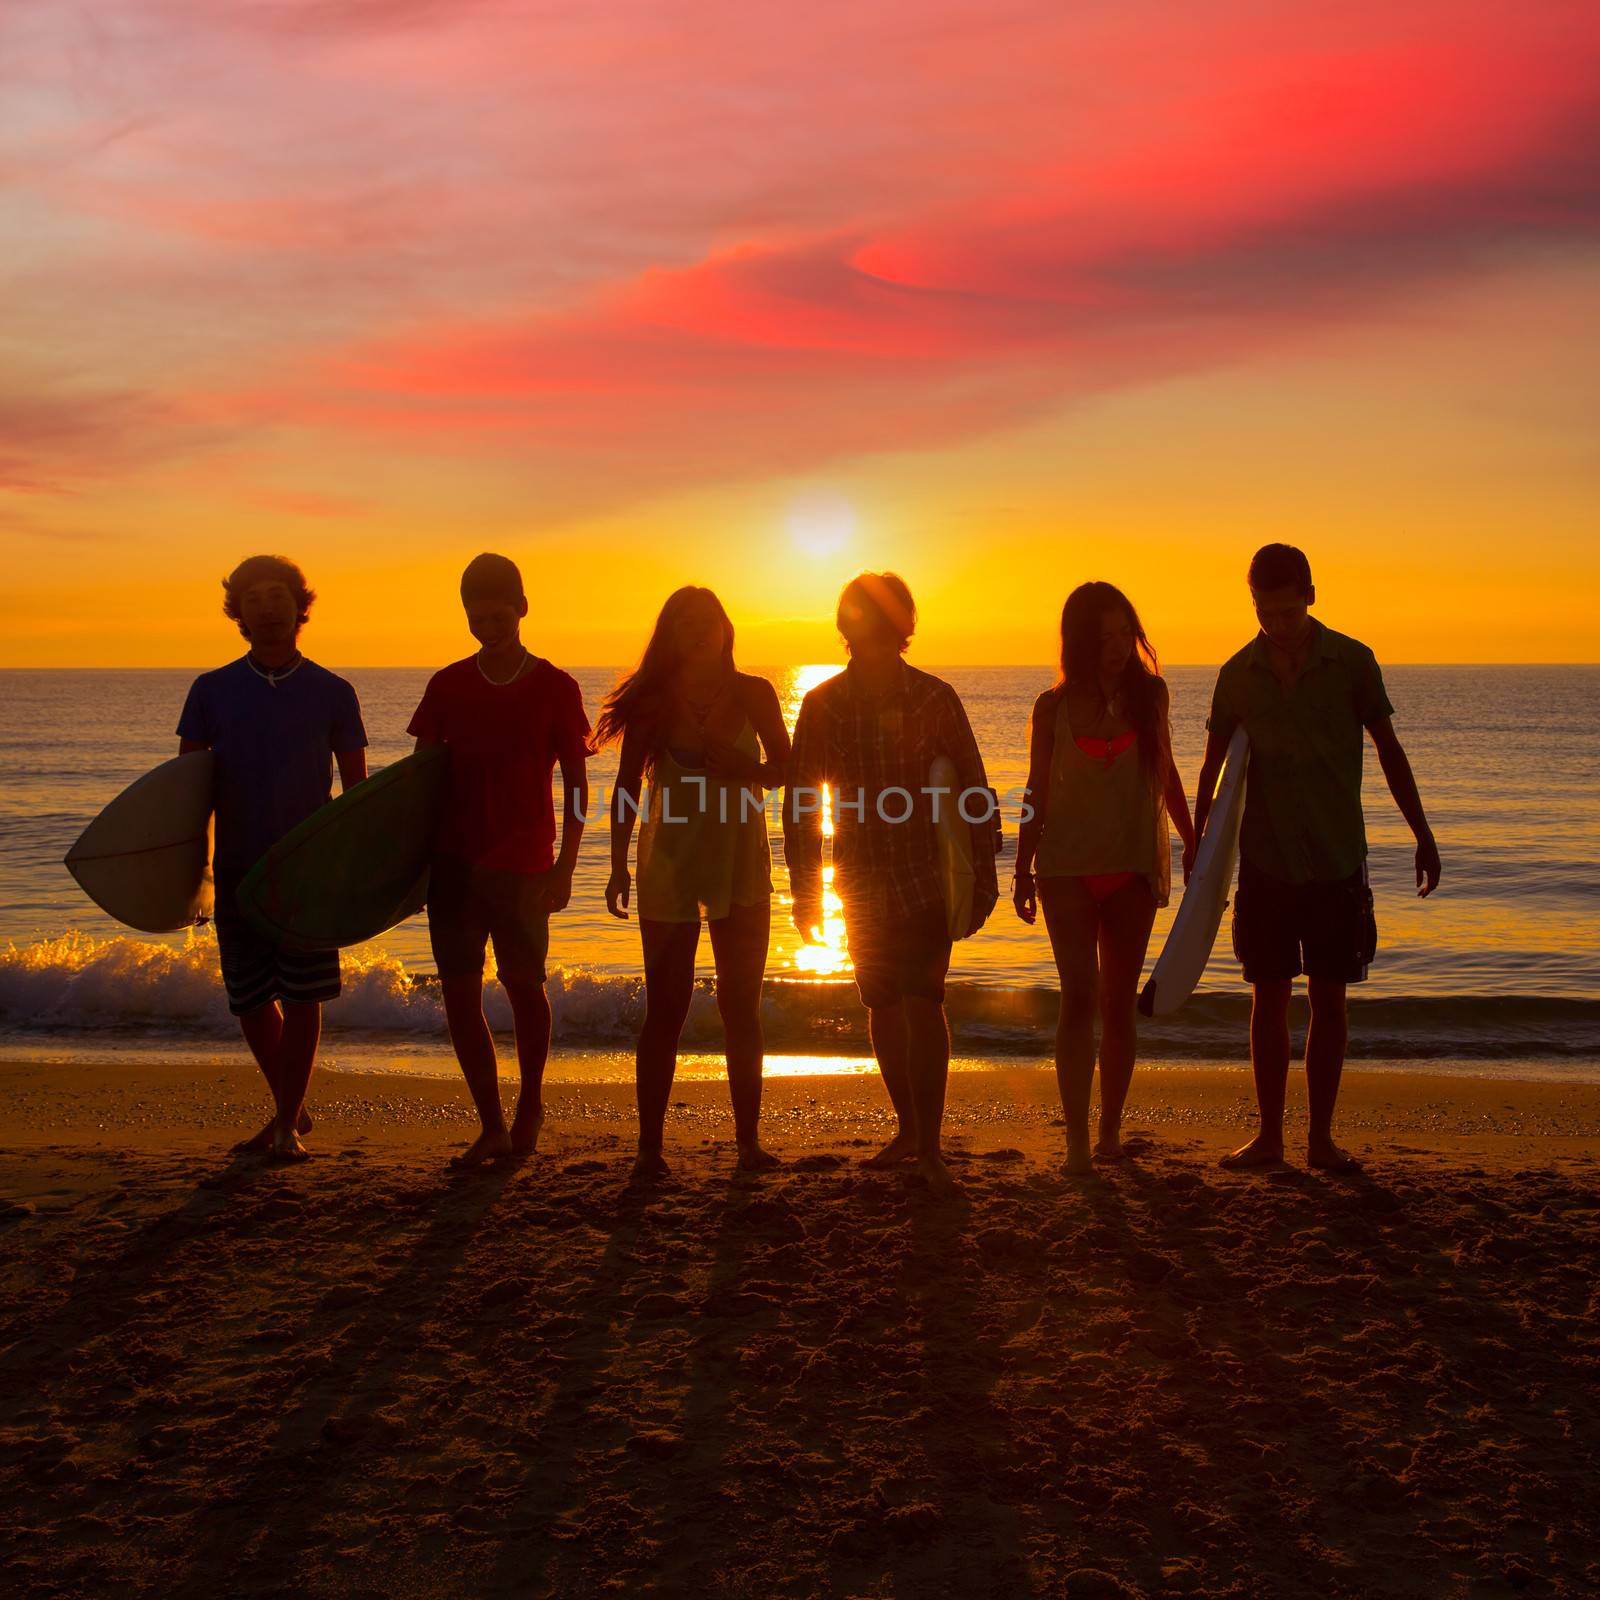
[(504, 741)]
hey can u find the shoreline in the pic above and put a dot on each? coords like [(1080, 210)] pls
[(201, 1105), (431, 1059)]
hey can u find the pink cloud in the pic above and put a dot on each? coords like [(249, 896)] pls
[(662, 245)]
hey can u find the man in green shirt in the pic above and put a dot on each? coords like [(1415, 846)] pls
[(1304, 694)]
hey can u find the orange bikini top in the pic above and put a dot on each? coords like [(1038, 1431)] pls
[(1106, 750)]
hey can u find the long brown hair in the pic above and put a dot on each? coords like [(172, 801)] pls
[(639, 701), (1141, 678)]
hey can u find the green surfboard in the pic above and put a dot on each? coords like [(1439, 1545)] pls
[(355, 868)]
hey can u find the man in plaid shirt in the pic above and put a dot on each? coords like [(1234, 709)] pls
[(869, 735)]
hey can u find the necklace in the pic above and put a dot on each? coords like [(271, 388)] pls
[(500, 683), (275, 677), (700, 710)]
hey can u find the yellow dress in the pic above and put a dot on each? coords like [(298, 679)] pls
[(703, 841)]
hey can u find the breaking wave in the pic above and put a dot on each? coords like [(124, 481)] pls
[(77, 983)]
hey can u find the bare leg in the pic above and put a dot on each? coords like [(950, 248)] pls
[(1269, 1059), (669, 949), (1325, 1047), (928, 1063), (1125, 922), (739, 943), (474, 1045), (530, 1015), (886, 1026), (1072, 918), (297, 1059), (263, 1032)]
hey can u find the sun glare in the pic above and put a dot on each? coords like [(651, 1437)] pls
[(821, 523)]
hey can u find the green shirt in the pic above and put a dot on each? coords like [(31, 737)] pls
[(1302, 804)]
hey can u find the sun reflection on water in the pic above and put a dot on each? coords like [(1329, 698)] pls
[(830, 958)]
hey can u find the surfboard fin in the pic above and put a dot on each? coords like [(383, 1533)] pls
[(1147, 999)]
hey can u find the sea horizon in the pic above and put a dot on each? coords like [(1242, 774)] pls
[(1497, 966)]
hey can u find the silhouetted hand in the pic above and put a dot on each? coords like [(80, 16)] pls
[(1428, 866), (554, 888), (808, 919), (618, 887), (1025, 897), (1188, 860)]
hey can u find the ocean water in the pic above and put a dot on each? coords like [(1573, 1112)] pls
[(1503, 961)]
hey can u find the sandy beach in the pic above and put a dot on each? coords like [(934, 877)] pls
[(367, 1376)]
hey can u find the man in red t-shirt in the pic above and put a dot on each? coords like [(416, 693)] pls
[(507, 717)]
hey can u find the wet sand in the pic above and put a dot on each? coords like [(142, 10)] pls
[(367, 1376)]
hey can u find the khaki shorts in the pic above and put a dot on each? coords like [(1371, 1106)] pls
[(896, 956), (468, 906)]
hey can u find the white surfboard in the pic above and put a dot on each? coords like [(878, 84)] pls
[(146, 859), (954, 832), (1194, 929)]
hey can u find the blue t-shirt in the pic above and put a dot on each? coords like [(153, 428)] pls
[(274, 748)]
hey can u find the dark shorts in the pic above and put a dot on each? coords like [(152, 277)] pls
[(255, 971), (1325, 930), (897, 956), (468, 906)]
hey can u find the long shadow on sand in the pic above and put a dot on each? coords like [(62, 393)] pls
[(296, 1470)]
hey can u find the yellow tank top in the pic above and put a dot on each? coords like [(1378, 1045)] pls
[(1102, 816)]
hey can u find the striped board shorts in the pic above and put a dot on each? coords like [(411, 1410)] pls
[(255, 972)]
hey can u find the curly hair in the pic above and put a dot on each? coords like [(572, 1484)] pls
[(258, 569)]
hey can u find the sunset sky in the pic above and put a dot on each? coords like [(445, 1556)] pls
[(1000, 295)]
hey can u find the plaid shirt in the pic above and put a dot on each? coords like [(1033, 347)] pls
[(865, 748)]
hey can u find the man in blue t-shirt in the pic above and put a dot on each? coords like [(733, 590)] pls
[(276, 724)]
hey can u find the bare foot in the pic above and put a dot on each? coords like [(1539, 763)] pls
[(525, 1129), (1108, 1147), (287, 1147), (1079, 1163), (752, 1158), (263, 1140), (648, 1167), (1330, 1158), (900, 1148), (487, 1147), (941, 1184), (1260, 1152)]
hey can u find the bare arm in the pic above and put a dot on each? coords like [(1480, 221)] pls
[(1178, 810), (767, 715), (574, 806), (624, 811), (1041, 748), (1177, 801), (352, 766), (1403, 786)]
